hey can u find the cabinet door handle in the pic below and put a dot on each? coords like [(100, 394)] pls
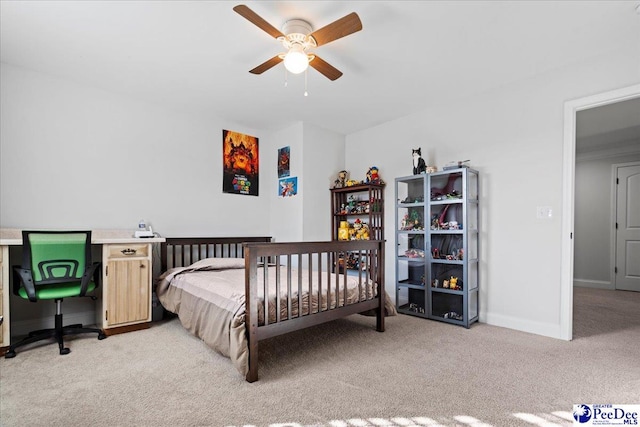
[(128, 251)]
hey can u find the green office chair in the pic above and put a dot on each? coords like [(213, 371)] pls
[(55, 265)]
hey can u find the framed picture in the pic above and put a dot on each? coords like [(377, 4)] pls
[(240, 168), (288, 187), (284, 154)]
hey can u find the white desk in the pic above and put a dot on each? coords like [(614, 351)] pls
[(124, 296)]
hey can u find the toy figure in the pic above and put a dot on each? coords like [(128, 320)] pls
[(416, 221), (419, 165), (373, 177), (405, 222), (351, 205), (342, 179)]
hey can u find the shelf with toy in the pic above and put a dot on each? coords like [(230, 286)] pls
[(411, 300), (357, 213), (361, 205), (453, 237), (437, 238), (356, 230)]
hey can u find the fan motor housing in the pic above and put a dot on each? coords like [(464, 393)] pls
[(298, 26), (297, 32)]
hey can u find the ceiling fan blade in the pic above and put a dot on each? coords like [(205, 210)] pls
[(255, 19), (328, 70), (266, 65), (344, 26)]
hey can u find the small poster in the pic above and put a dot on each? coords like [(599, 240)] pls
[(283, 162), (240, 163), (288, 187)]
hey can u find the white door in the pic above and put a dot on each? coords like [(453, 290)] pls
[(627, 272)]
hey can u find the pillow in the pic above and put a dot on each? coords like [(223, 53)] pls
[(218, 263)]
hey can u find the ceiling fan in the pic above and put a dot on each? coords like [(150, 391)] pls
[(298, 38)]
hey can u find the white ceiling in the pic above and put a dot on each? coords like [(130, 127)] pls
[(410, 55)]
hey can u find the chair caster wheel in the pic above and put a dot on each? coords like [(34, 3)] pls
[(10, 354), (65, 351), (101, 336)]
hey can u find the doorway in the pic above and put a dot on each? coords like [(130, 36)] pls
[(627, 228), (568, 208)]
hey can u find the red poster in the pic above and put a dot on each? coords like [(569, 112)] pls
[(240, 163)]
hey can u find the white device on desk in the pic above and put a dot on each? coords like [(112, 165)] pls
[(142, 231)]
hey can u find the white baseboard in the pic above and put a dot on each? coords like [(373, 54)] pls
[(23, 327), (551, 330), (597, 284)]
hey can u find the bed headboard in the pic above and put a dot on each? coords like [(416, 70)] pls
[(184, 251)]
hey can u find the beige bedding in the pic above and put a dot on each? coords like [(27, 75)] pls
[(210, 300)]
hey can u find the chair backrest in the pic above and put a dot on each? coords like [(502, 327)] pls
[(56, 256)]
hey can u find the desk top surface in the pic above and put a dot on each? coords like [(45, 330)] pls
[(13, 236)]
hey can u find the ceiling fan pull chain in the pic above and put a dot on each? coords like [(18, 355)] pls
[(305, 83), (285, 77)]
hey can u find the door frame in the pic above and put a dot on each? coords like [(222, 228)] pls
[(571, 109), (614, 217)]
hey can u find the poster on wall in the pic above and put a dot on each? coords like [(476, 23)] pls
[(240, 163), (288, 187), (283, 161)]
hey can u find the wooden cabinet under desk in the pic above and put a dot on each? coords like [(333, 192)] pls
[(4, 297), (124, 296), (126, 290)]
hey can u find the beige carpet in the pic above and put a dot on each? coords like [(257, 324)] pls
[(418, 372)]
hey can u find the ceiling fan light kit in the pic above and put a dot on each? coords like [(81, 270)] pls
[(298, 38), (296, 60), (297, 41)]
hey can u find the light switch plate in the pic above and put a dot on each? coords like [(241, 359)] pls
[(544, 212)]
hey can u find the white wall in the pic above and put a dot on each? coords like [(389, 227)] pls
[(74, 156), (593, 217), (286, 212), (317, 155), (323, 159), (514, 137)]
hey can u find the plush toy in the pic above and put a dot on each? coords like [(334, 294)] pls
[(362, 232), (373, 177), (453, 283), (419, 165)]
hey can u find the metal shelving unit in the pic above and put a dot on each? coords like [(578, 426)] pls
[(437, 245)]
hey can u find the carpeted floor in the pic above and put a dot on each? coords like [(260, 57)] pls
[(418, 372)]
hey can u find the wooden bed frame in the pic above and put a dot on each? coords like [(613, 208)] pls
[(313, 256)]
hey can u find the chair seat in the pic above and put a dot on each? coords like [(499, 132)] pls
[(59, 290)]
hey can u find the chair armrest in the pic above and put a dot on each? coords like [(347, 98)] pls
[(92, 272), (22, 275)]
